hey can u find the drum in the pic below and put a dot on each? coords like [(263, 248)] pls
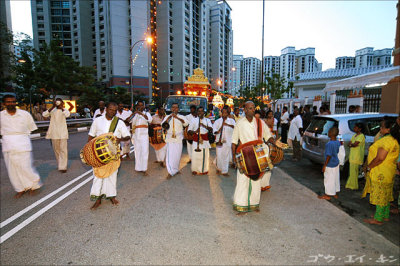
[(275, 153), (187, 136), (100, 150), (157, 137), (252, 159)]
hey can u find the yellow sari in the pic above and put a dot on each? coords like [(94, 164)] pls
[(379, 181)]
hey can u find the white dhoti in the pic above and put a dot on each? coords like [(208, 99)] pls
[(189, 149), (22, 174), (161, 153), (247, 194), (125, 147), (60, 147), (174, 152), (141, 143), (223, 157), (264, 181), (332, 180), (200, 162), (104, 187)]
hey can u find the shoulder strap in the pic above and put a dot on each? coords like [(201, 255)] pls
[(259, 128), (113, 125)]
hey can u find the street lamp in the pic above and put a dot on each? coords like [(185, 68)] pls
[(149, 40)]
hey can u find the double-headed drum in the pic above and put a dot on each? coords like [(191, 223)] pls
[(100, 150), (187, 136), (158, 136), (275, 153), (252, 159)]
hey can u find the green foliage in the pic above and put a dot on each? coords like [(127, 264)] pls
[(276, 86), (6, 40)]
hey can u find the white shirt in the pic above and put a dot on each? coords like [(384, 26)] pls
[(101, 125), (194, 125), (140, 120), (15, 130), (58, 123), (285, 118), (246, 131), (98, 112), (226, 132), (189, 118), (275, 127), (178, 128), (124, 115), (295, 124)]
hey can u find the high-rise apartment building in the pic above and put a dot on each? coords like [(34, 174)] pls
[(305, 61), (236, 73), (5, 49), (287, 65), (250, 72), (365, 57), (345, 62), (382, 57), (271, 65)]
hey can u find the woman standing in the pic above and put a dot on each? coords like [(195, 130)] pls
[(356, 157), (381, 169)]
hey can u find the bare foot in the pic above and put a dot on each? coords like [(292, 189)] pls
[(19, 194), (226, 174), (162, 164), (169, 176), (218, 172), (241, 213), (372, 221), (325, 197), (194, 173), (145, 173), (114, 201), (34, 192), (178, 173), (384, 219), (96, 204)]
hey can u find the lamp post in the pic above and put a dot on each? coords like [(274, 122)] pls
[(149, 40)]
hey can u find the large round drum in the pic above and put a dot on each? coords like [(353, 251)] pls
[(100, 150), (187, 136), (275, 153), (252, 159), (157, 136)]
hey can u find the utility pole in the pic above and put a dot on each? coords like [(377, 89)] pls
[(262, 51)]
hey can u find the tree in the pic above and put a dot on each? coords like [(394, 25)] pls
[(6, 41), (276, 86)]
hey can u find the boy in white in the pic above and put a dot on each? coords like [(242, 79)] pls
[(140, 138), (200, 161), (224, 142), (174, 124), (106, 187), (124, 115)]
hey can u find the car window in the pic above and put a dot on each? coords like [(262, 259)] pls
[(321, 125), (371, 125)]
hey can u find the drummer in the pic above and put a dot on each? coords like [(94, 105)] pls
[(156, 122), (245, 199), (107, 187), (123, 115), (189, 118)]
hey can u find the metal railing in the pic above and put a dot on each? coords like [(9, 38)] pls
[(41, 124)]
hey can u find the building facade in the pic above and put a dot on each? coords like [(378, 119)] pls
[(345, 62), (365, 57), (271, 65), (236, 75), (5, 49), (250, 72)]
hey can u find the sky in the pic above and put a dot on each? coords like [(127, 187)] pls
[(333, 28)]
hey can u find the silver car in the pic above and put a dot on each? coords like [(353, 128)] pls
[(316, 135)]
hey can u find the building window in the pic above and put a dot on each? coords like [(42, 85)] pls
[(39, 9), (41, 33)]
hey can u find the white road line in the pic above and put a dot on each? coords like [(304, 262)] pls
[(15, 216), (45, 209)]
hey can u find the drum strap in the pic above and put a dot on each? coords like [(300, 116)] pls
[(113, 125), (259, 128)]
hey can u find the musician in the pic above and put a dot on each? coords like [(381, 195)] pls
[(107, 187), (236, 114), (156, 122), (201, 145), (174, 124), (246, 130), (124, 115), (101, 111), (223, 141), (140, 121), (189, 118)]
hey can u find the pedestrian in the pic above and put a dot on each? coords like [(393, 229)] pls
[(15, 127), (274, 123), (101, 111), (160, 148), (277, 116), (58, 132), (306, 117), (106, 186), (124, 115), (174, 124), (295, 133), (352, 109), (357, 109), (236, 113), (37, 115), (284, 124), (247, 191), (314, 111), (189, 118), (140, 121), (86, 110), (223, 130), (356, 157), (381, 170), (331, 166), (201, 146)]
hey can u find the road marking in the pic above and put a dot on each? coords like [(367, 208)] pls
[(45, 209), (15, 216)]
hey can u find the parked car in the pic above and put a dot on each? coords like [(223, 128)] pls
[(316, 135)]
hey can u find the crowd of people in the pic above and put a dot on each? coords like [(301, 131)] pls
[(227, 128)]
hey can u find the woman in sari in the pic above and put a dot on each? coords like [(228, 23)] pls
[(381, 170), (356, 157)]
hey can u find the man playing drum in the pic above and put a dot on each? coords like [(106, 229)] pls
[(247, 191), (107, 187), (124, 115), (189, 118), (160, 149), (174, 124), (140, 137)]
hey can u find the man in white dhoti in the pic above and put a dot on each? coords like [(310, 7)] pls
[(223, 130), (189, 118), (159, 148), (174, 124), (101, 111), (140, 137), (15, 127), (58, 132), (124, 115), (201, 146), (107, 187), (247, 191)]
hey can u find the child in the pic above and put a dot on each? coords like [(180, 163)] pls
[(356, 158), (331, 166)]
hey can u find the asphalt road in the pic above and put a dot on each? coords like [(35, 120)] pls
[(184, 220)]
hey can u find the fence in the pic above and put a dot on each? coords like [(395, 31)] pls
[(340, 104), (372, 100)]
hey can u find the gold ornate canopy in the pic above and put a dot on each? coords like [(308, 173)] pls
[(197, 84), (197, 78)]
